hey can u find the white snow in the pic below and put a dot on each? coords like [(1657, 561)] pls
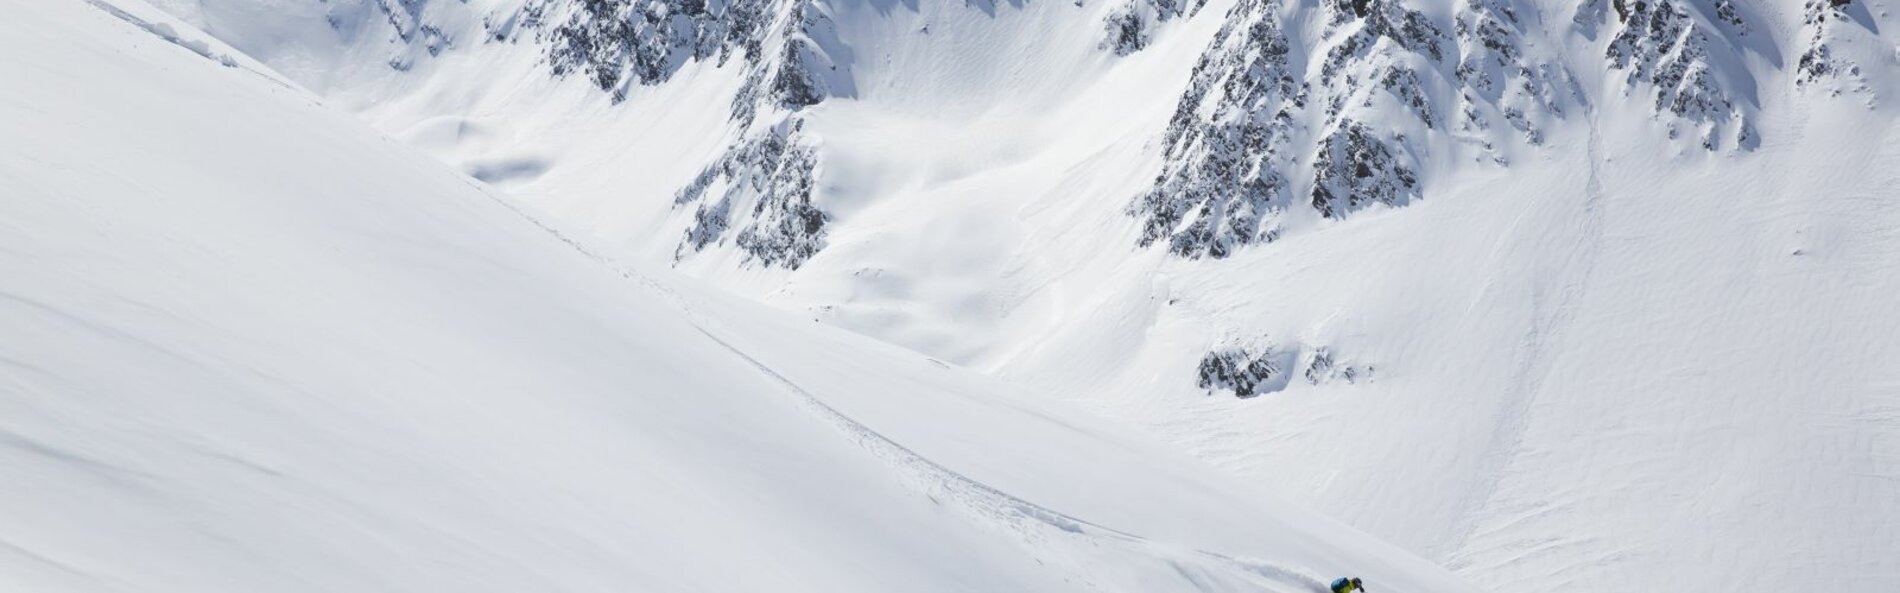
[(1615, 362), (248, 344)]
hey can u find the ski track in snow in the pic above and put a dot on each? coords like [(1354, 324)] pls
[(1550, 316), (1023, 519), (1563, 281)]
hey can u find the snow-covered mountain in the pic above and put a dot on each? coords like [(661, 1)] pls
[(1562, 295), (252, 345)]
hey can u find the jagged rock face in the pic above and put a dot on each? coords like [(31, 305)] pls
[(1132, 27), (1382, 19), (799, 80), (1356, 169), (1263, 367), (1379, 46), (1245, 372), (1393, 50), (1389, 85), (613, 42), (768, 178), (762, 185), (1494, 69), (1235, 142), (405, 16), (1818, 62), (1662, 45), (619, 43), (1223, 187)]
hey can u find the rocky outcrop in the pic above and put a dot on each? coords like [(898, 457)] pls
[(1819, 62), (1250, 118), (1323, 367), (1253, 370), (767, 181), (1131, 27), (1223, 187), (1393, 55), (1666, 51), (787, 46), (616, 42), (1379, 20), (412, 29), (1726, 12), (1356, 169), (1496, 71), (1245, 372), (757, 196)]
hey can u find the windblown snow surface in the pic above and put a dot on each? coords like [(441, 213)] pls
[(252, 345), (1562, 296)]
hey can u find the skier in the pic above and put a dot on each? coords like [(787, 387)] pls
[(1348, 585)]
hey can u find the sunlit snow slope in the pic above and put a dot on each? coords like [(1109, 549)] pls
[(247, 344), (1630, 325)]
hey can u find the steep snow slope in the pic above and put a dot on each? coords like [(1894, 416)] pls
[(1563, 294), (251, 345)]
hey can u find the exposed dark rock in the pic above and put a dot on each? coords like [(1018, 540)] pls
[(1403, 84), (1355, 169), (1383, 19), (757, 196), (1493, 68), (1252, 370), (1245, 372), (768, 180), (1222, 187), (1235, 145), (1132, 27), (613, 42), (799, 77), (1127, 32), (1725, 12), (1818, 63), (1321, 368), (1662, 46)]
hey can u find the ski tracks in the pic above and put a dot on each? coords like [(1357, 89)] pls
[(1033, 525), (1554, 301)]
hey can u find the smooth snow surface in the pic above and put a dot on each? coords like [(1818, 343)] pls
[(250, 345), (1607, 360)]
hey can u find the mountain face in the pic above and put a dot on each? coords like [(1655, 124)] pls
[(1336, 114), (1333, 106), (1561, 295), (254, 345)]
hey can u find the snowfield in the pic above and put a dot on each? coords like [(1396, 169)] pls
[(251, 345), (951, 295)]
